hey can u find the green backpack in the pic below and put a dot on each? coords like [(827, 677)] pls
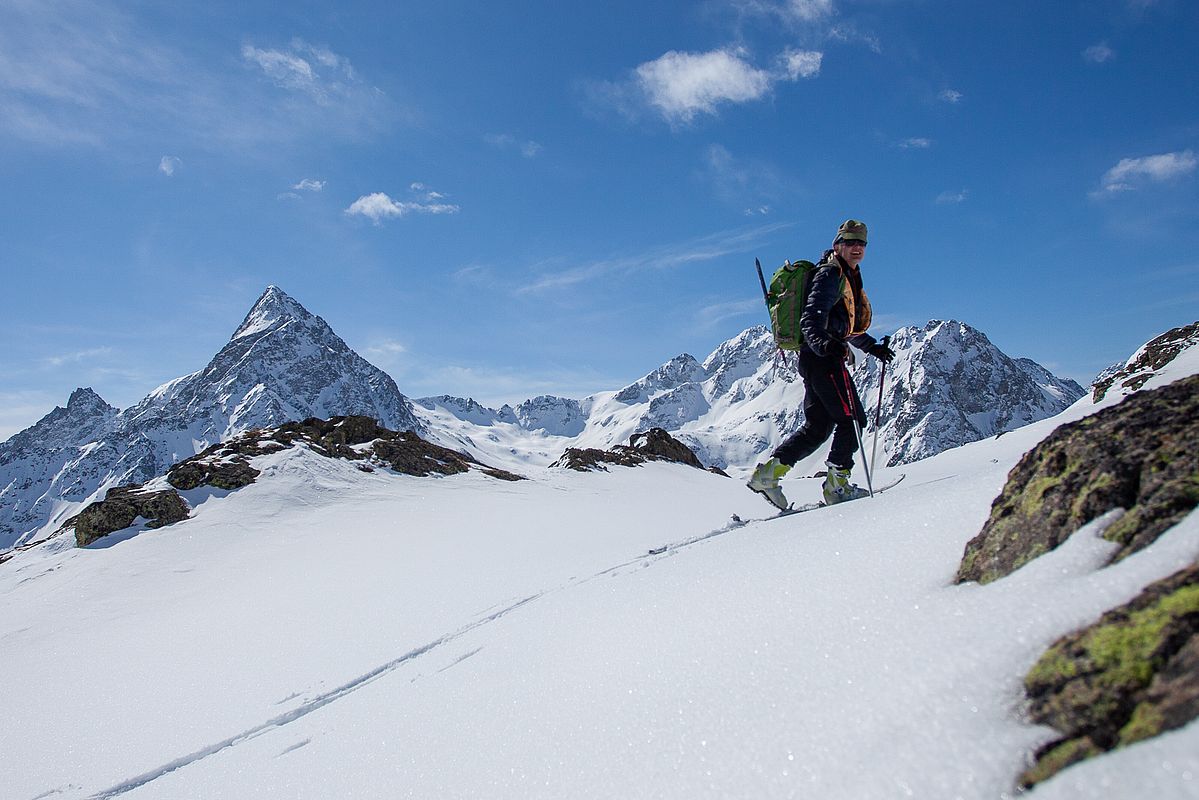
[(785, 298)]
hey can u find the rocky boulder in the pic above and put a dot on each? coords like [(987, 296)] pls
[(1131, 675), (121, 507), (652, 445), (1141, 455)]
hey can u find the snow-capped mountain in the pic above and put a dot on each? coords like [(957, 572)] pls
[(283, 363), (948, 385)]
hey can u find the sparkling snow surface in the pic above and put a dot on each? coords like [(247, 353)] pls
[(330, 633)]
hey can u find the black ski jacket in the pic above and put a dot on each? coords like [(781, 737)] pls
[(825, 318)]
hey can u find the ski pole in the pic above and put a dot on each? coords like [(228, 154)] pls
[(879, 411), (857, 426)]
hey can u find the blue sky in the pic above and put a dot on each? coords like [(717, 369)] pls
[(500, 200)]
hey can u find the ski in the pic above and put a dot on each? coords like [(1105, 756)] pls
[(735, 521)]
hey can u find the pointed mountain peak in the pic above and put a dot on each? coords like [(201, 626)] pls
[(273, 307), (87, 398)]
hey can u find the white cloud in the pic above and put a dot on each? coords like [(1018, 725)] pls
[(1130, 173), (950, 197), (379, 206), (302, 67), (309, 185), (802, 63), (168, 164), (916, 143), (1098, 53), (951, 96), (286, 69), (810, 10), (681, 85)]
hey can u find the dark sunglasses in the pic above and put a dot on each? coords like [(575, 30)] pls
[(852, 242)]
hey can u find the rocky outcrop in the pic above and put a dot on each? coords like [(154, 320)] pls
[(121, 508), (1141, 455), (356, 438), (1130, 676), (1145, 363), (652, 445)]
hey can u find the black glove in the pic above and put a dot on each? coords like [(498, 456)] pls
[(881, 352)]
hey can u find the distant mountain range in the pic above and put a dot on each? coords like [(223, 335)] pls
[(947, 386)]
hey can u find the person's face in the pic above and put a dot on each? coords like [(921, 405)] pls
[(852, 251)]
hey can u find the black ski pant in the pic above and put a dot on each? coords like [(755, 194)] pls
[(830, 404)]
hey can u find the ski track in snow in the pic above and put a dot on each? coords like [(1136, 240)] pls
[(334, 695)]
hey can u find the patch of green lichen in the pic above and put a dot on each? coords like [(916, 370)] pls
[(1146, 722), (1053, 669), (1126, 651), (1057, 759)]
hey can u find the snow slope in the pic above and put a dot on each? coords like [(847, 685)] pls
[(331, 633)]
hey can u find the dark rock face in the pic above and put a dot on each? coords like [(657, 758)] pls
[(119, 509), (1141, 455), (1130, 676), (356, 438), (652, 445), (1152, 357)]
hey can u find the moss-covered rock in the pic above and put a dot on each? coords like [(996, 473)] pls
[(1141, 455), (1129, 676), (121, 507)]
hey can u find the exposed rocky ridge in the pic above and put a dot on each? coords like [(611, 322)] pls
[(356, 438), (1145, 363), (283, 363), (1141, 455), (1131, 675), (652, 445), (121, 507)]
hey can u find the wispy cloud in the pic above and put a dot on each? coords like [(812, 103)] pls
[(76, 357), (673, 256), (309, 185), (506, 141), (379, 206), (96, 74), (303, 67), (740, 181), (951, 197), (1132, 173), (952, 96), (1098, 53), (168, 164), (916, 143), (712, 315)]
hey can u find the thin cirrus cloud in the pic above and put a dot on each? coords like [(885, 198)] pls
[(1130, 174), (680, 86), (379, 206), (168, 164), (506, 141)]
